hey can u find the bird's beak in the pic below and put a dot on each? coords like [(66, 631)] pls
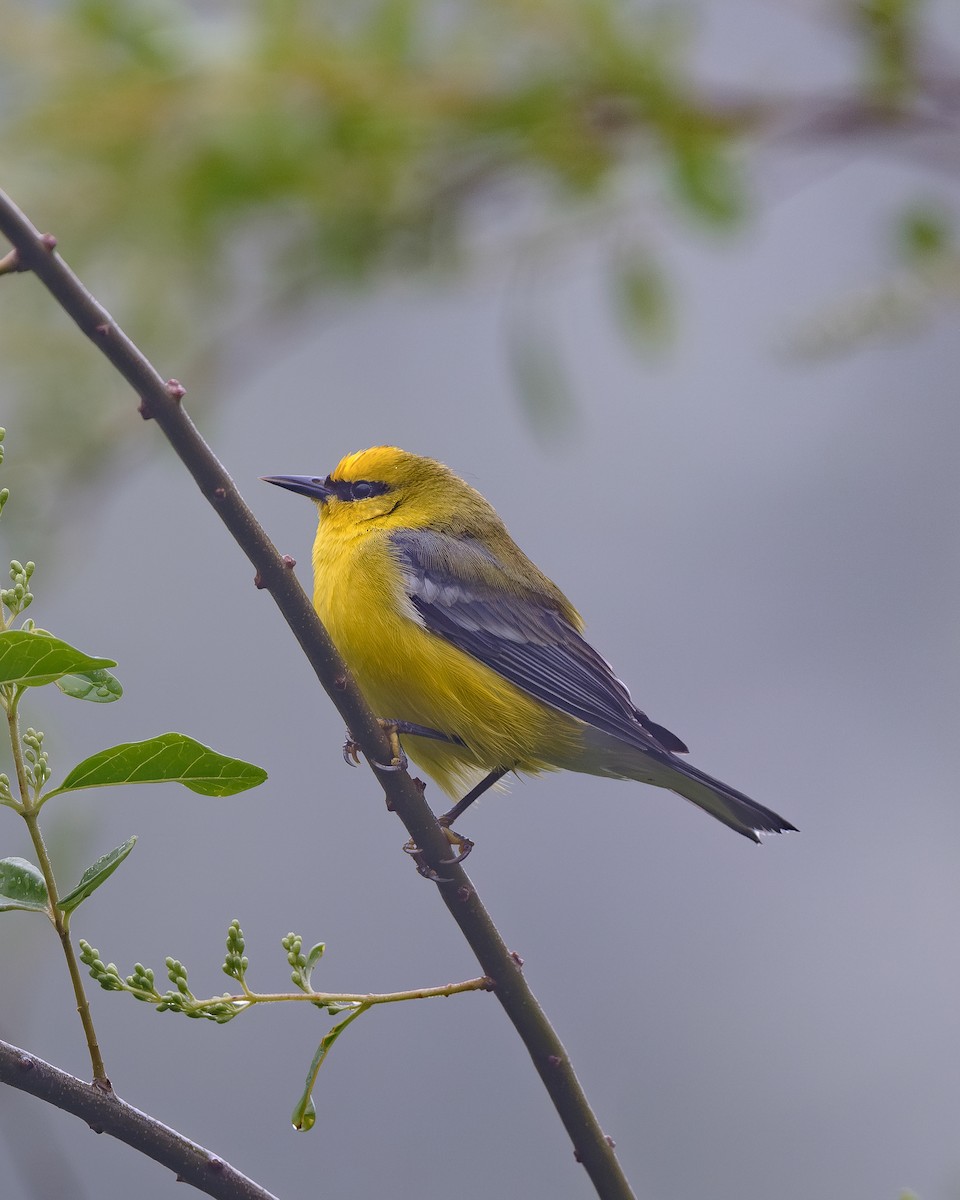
[(306, 485)]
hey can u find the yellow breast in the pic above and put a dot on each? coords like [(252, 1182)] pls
[(408, 673)]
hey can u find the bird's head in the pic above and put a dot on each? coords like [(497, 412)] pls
[(389, 486)]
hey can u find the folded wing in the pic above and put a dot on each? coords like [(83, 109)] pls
[(460, 592)]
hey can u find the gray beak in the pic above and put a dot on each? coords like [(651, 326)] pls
[(306, 485)]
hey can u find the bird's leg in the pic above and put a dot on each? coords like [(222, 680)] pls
[(464, 845), (425, 731), (475, 793)]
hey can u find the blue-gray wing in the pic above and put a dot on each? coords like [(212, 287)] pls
[(460, 592)]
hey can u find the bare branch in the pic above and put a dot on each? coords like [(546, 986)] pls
[(105, 1112)]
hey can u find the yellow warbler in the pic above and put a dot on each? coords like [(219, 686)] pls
[(447, 625)]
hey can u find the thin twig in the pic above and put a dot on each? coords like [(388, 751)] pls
[(105, 1112), (370, 999), (61, 923), (246, 1000), (161, 400)]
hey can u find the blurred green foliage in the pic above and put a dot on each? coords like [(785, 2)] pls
[(924, 232), (890, 29), (210, 167), (921, 282)]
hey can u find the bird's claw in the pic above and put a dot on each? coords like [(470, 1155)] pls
[(423, 867), (396, 764), (351, 751)]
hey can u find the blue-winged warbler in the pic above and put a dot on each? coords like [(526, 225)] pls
[(447, 624)]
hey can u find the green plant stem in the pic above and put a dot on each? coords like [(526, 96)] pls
[(318, 1059), (160, 400), (11, 703), (60, 920), (365, 999), (369, 999), (62, 926)]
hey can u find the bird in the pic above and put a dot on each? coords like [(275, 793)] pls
[(458, 639)]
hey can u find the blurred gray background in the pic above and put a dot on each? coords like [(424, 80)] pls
[(766, 550)]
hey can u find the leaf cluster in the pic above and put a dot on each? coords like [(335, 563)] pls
[(179, 998), (141, 985), (249, 158), (30, 658)]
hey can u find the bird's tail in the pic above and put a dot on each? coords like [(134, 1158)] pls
[(725, 803), (603, 754)]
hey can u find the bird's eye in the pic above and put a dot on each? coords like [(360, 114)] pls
[(355, 489)]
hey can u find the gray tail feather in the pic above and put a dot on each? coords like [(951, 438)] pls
[(725, 803)]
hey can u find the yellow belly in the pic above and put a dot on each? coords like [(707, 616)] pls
[(410, 674)]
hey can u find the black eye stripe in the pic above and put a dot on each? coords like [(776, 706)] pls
[(356, 489)]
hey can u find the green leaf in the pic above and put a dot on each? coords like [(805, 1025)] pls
[(924, 234), (21, 886), (543, 387), (706, 177), (313, 958), (96, 874), (99, 686), (301, 977), (33, 659), (643, 295), (305, 1114), (169, 758)]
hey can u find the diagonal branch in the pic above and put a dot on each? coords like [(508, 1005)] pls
[(105, 1112), (160, 400)]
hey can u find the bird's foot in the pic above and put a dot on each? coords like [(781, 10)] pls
[(423, 867), (399, 760), (351, 748), (464, 845)]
